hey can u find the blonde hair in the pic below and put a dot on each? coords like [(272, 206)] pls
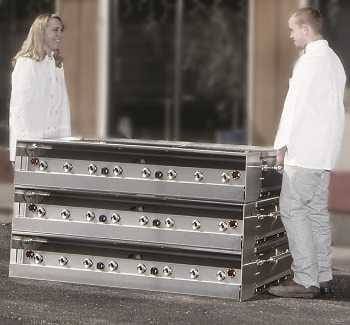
[(309, 16), (33, 46)]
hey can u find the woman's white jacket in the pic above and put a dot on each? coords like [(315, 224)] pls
[(39, 105)]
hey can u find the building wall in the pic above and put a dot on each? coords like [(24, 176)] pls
[(273, 55), (80, 52)]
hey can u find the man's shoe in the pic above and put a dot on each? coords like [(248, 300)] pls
[(327, 287), (290, 289)]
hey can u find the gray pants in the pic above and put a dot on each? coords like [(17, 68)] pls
[(303, 205)]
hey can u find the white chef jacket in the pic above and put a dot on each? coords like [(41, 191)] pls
[(39, 106), (312, 122)]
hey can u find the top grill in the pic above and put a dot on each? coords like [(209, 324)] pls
[(154, 168)]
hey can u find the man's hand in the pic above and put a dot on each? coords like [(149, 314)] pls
[(280, 156)]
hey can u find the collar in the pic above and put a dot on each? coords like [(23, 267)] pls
[(316, 45)]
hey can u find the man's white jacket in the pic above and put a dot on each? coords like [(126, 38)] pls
[(312, 122)]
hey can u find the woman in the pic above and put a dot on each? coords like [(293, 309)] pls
[(39, 106)]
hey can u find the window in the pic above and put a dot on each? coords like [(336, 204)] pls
[(178, 69)]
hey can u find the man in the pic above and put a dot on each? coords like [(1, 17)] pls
[(308, 142)]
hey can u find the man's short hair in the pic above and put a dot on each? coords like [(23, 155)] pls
[(309, 16)]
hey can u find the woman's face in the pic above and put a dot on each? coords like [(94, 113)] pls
[(53, 35)]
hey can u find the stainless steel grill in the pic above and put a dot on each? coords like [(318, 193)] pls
[(170, 216)]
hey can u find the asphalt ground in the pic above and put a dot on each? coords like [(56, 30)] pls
[(25, 301)]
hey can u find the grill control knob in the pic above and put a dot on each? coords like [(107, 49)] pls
[(32, 207), (154, 270), (100, 266), (41, 212), (43, 165), (233, 223), (231, 273), (158, 174), (223, 226), (169, 222), (115, 218), (172, 174), (143, 220), (34, 161), (198, 176), (62, 260), (67, 167), (167, 270), (112, 265), (117, 170), (236, 174), (104, 171), (38, 259), (194, 273), (196, 224), (102, 218), (221, 275), (65, 214), (87, 263), (146, 172), (156, 223), (225, 177), (141, 268), (30, 254), (92, 169), (90, 216)]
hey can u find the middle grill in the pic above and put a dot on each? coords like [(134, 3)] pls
[(233, 227)]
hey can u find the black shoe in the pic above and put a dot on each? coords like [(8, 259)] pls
[(327, 287), (290, 289)]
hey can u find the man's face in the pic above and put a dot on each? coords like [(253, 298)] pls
[(53, 34), (298, 33)]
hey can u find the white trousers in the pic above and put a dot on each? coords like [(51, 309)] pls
[(304, 211)]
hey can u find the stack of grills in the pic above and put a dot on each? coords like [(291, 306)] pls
[(188, 218)]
